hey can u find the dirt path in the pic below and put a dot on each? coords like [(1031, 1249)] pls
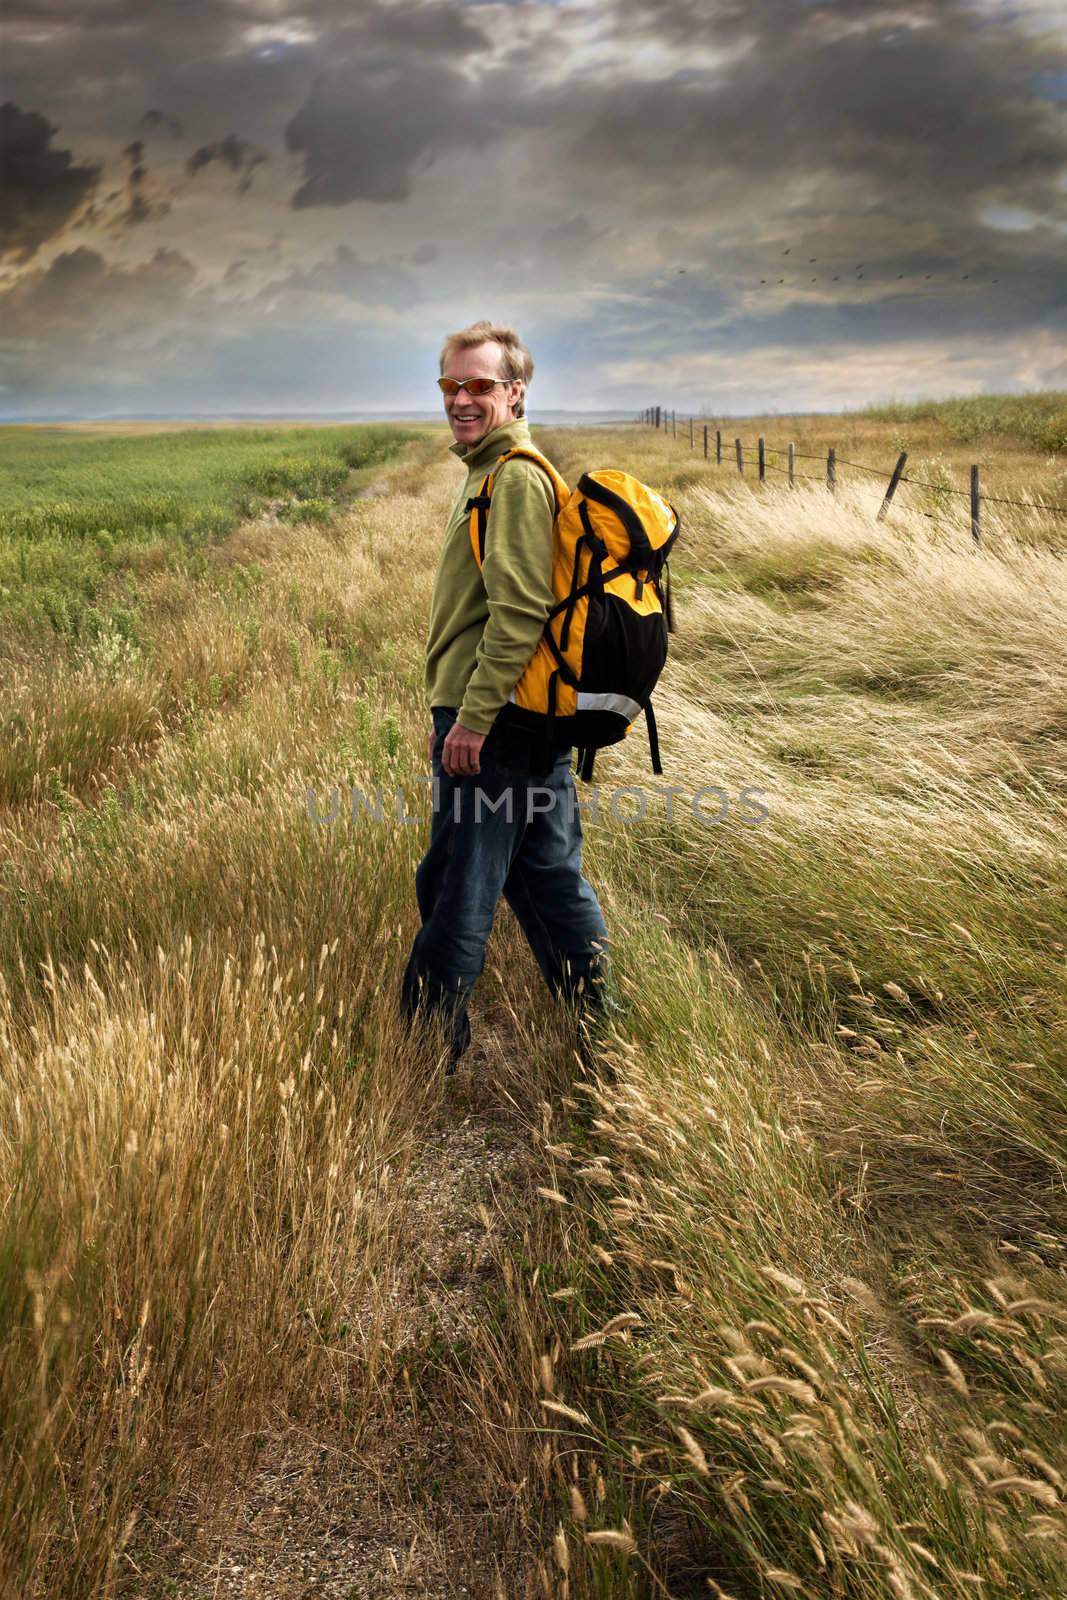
[(386, 1493), (406, 1514)]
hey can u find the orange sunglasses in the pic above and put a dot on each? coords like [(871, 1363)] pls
[(472, 385)]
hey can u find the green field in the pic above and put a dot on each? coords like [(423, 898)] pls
[(1040, 420), (771, 1303), (77, 505)]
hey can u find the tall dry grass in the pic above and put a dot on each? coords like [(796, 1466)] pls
[(812, 1204), (207, 1108), (777, 1305)]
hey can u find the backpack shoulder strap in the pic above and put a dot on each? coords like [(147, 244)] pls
[(560, 487), (478, 504)]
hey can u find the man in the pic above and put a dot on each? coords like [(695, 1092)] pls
[(499, 826)]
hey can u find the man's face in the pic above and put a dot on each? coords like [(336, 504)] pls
[(472, 416)]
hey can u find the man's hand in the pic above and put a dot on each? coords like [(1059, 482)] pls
[(460, 756)]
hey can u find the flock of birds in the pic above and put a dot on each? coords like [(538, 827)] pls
[(860, 268)]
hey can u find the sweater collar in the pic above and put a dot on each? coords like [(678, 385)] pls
[(481, 455)]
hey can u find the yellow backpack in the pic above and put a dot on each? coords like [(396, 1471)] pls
[(605, 639)]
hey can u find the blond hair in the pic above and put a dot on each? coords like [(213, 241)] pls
[(516, 360)]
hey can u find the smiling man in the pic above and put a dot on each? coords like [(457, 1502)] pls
[(501, 824)]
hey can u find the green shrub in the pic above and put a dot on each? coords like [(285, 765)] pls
[(936, 482), (1039, 419), (1054, 432), (313, 509), (306, 477)]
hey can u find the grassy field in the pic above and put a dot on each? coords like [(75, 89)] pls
[(1019, 443), (1039, 420), (81, 506), (772, 1303)]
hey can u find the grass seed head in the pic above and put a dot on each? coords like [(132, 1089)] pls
[(613, 1539), (692, 1450)]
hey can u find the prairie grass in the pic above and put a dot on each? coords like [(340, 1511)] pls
[(1040, 419), (831, 1129), (85, 514), (777, 1304), (1019, 444)]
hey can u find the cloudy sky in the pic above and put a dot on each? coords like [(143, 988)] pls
[(720, 205)]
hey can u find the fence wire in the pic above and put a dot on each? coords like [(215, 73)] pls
[(880, 472)]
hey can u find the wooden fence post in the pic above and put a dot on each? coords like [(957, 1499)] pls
[(831, 469), (762, 460), (792, 466), (740, 457), (705, 441), (976, 506), (898, 472), (718, 447), (690, 433), (674, 425)]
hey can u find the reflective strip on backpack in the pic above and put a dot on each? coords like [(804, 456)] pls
[(609, 702)]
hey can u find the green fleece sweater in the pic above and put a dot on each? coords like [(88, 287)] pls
[(485, 624)]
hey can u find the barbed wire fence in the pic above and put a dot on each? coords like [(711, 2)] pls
[(658, 417)]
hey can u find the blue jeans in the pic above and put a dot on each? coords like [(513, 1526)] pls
[(501, 832)]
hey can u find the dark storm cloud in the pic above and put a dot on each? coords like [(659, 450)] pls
[(704, 135), (231, 151), (139, 208), (140, 203), (41, 188), (371, 283), (697, 319), (83, 320), (161, 122), (938, 112), (80, 292), (83, 324), (400, 98), (366, 144), (372, 94)]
